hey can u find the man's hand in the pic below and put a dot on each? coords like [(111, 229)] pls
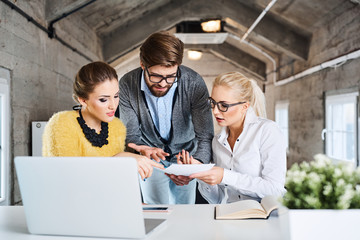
[(150, 152)]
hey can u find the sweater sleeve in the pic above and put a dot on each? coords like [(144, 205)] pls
[(128, 115), (202, 120), (60, 136)]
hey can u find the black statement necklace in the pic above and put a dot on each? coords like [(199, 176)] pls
[(97, 140)]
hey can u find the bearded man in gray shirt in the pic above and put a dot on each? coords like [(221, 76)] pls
[(164, 107)]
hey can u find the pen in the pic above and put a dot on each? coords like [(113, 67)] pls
[(165, 164)]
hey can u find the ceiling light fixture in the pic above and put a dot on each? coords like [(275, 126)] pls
[(194, 54), (211, 26), (191, 32)]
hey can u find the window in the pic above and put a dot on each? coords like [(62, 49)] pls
[(282, 119), (341, 127), (4, 136)]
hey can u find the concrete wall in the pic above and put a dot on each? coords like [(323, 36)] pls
[(42, 70), (305, 95)]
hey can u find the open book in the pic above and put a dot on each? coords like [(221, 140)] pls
[(247, 209)]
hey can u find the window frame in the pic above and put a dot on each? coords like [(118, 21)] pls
[(5, 136), (350, 96)]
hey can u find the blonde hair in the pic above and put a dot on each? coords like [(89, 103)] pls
[(247, 90)]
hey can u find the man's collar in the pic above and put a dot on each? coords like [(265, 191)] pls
[(143, 85)]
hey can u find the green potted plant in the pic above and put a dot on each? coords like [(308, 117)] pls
[(323, 199)]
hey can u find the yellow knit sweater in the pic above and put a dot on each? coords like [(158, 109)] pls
[(63, 136)]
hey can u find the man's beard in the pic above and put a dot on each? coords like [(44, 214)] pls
[(159, 94)]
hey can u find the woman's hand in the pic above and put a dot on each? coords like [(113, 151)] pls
[(179, 180), (212, 177), (184, 157), (145, 165), (150, 152)]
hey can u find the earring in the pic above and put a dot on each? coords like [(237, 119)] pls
[(82, 103)]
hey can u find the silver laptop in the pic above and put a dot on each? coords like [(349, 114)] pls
[(82, 196)]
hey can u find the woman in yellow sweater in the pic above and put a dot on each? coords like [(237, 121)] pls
[(92, 128)]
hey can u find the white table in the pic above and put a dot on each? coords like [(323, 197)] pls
[(185, 222)]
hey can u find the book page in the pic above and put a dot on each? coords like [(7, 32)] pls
[(269, 203), (186, 169), (237, 209)]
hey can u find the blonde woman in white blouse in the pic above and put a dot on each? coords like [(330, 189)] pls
[(249, 152)]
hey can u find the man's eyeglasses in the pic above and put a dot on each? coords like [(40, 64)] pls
[(223, 107), (156, 78)]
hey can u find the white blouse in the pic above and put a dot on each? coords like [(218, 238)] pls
[(255, 168)]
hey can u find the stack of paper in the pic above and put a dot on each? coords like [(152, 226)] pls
[(186, 169)]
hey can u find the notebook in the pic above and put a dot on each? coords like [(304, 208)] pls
[(83, 196)]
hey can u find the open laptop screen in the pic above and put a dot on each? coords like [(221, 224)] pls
[(81, 196)]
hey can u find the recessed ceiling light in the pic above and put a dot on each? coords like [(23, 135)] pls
[(211, 26), (194, 54)]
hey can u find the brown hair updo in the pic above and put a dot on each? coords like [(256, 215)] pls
[(91, 75)]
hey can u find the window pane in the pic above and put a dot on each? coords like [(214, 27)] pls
[(337, 119), (341, 142), (349, 114), (4, 136), (350, 146), (282, 119), (337, 140), (1, 170), (329, 117)]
